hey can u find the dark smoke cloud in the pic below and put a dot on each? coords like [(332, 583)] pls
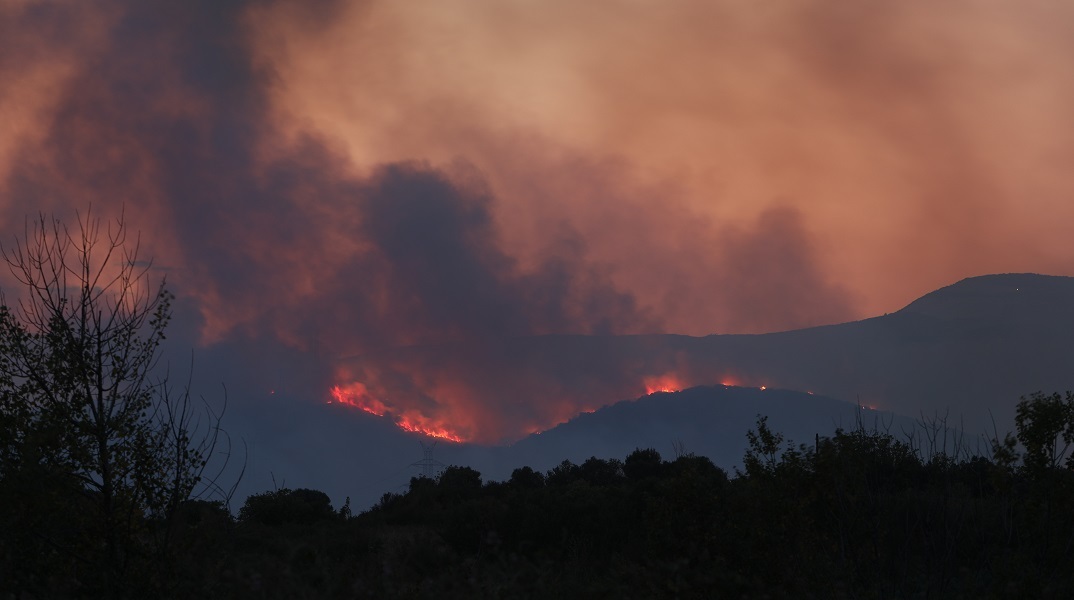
[(441, 274), (164, 111), (167, 117)]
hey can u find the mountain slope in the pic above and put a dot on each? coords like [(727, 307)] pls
[(709, 420), (970, 349)]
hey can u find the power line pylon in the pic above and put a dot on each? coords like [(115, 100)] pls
[(430, 467)]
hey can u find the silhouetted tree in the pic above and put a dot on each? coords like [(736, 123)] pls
[(598, 471), (301, 506), (564, 473), (1046, 430), (764, 449), (641, 464), (459, 479), (527, 478), (81, 398)]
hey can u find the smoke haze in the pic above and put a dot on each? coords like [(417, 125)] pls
[(345, 178)]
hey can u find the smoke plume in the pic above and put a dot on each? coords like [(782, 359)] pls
[(361, 180)]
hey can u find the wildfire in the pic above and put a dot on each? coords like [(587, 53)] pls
[(446, 408), (663, 383), (418, 424), (356, 395)]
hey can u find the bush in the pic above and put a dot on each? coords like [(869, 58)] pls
[(302, 506)]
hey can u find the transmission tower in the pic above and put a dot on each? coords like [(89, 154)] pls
[(430, 467)]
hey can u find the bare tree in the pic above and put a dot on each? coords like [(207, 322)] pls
[(80, 347)]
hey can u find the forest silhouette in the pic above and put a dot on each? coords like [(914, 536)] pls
[(857, 514)]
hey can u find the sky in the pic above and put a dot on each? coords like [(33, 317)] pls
[(334, 179)]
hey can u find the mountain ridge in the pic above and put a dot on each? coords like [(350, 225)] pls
[(918, 362)]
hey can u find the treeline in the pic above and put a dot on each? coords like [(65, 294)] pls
[(860, 514)]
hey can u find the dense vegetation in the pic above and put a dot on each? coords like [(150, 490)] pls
[(858, 515), (99, 452)]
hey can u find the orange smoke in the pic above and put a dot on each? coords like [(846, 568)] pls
[(462, 174), (918, 143)]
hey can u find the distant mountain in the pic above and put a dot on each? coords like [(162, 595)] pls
[(970, 350), (710, 421), (1024, 296), (967, 351)]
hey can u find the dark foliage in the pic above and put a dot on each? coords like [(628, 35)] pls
[(299, 506), (100, 454), (860, 514)]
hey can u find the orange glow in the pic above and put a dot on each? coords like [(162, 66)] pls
[(456, 396), (415, 423), (460, 395), (450, 400), (356, 395), (818, 173), (624, 91), (663, 383)]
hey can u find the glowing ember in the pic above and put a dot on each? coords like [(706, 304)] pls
[(356, 395), (418, 424), (730, 381), (439, 406), (664, 383)]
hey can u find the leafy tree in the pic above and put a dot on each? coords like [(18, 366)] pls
[(1046, 430), (762, 455), (302, 506), (421, 484), (596, 471), (564, 473), (80, 398), (459, 479), (527, 478), (641, 464)]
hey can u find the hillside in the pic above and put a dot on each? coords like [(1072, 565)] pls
[(710, 421), (969, 350)]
